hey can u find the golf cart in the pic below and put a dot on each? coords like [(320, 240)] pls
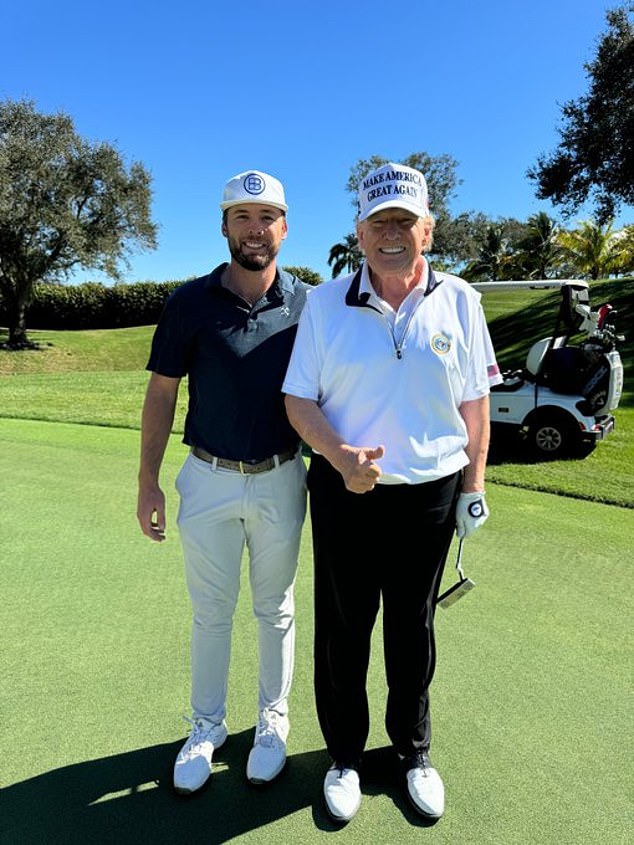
[(559, 403)]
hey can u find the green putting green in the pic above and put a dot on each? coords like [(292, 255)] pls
[(531, 701)]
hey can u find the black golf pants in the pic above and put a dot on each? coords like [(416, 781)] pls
[(389, 544)]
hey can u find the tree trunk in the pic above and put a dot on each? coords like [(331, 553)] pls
[(17, 332), (16, 313)]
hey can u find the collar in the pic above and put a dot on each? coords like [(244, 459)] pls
[(283, 283), (212, 280), (360, 293)]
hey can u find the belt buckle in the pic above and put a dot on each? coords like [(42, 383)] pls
[(241, 466)]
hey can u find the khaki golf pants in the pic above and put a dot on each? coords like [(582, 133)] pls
[(220, 512)]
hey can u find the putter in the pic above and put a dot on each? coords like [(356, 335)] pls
[(459, 589)]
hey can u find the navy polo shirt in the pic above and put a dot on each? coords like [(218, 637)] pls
[(235, 357)]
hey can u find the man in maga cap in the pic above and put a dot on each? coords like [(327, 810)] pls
[(388, 382), (243, 481)]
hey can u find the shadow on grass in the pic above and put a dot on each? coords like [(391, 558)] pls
[(128, 798), (506, 447), (381, 774)]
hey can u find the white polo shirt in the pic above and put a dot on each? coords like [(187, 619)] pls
[(398, 380)]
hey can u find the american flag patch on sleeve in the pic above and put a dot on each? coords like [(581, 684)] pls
[(493, 370)]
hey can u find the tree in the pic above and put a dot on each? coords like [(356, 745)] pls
[(595, 157), (64, 202), (465, 234), (539, 251), (493, 257), (345, 256), (596, 251), (624, 260), (311, 277)]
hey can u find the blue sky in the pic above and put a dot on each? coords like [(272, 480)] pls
[(199, 91)]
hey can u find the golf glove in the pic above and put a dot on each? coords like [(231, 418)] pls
[(471, 513)]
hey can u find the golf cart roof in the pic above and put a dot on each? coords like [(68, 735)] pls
[(528, 284), (574, 306)]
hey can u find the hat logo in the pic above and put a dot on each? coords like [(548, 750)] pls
[(393, 186), (254, 184)]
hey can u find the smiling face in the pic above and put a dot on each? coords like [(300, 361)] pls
[(254, 233), (393, 240)]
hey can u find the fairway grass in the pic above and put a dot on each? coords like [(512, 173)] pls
[(79, 351), (531, 701), (98, 378), (114, 398)]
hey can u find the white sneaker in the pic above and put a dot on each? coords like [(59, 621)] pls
[(424, 786), (268, 755), (193, 764), (342, 792)]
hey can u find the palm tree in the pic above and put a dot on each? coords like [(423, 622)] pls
[(539, 251), (493, 256), (595, 251), (624, 248), (345, 256)]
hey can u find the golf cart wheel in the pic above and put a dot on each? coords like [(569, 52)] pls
[(553, 435)]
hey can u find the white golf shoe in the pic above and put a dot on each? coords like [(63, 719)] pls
[(268, 755), (193, 764), (424, 786), (342, 792)]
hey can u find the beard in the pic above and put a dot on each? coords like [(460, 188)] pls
[(251, 262)]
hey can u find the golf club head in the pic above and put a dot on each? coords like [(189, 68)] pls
[(453, 594)]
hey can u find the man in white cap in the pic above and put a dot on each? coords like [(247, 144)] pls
[(388, 382), (243, 482)]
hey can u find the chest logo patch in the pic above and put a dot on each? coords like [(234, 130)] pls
[(440, 344)]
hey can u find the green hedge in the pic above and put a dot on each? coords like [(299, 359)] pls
[(94, 306)]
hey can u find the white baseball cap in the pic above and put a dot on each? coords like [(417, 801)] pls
[(393, 186), (253, 186)]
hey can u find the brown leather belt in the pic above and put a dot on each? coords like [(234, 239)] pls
[(244, 467)]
